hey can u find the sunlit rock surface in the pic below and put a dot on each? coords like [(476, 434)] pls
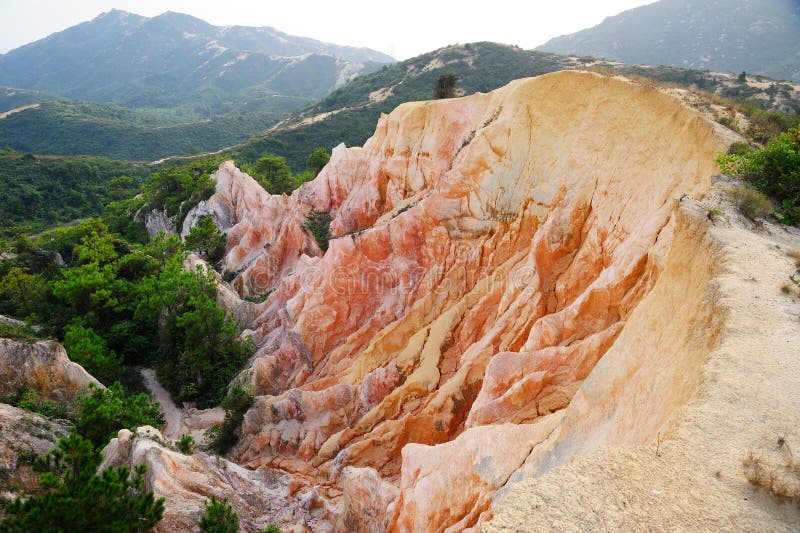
[(488, 252)]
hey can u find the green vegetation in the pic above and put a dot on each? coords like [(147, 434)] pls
[(90, 350), (319, 224), (272, 173), (186, 444), (73, 496), (205, 239), (752, 203), (774, 170), (31, 400), (113, 302), (176, 189), (480, 67), (223, 437), (219, 517), (317, 160), (445, 86), (79, 128), (103, 412), (271, 528), (42, 191)]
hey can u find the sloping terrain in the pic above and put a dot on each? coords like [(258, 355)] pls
[(728, 35), (690, 476), (503, 270), (349, 114), (175, 59)]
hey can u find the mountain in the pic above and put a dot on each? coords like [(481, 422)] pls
[(731, 35), (349, 114), (177, 60)]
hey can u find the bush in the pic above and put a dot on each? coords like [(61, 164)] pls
[(206, 239), (445, 86), (750, 202), (31, 400), (774, 170), (319, 224), (103, 412), (75, 497), (219, 517), (223, 437), (186, 444), (89, 350)]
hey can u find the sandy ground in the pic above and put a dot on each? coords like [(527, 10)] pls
[(172, 414), (693, 479)]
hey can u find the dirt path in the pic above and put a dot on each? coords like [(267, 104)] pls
[(172, 414), (4, 114)]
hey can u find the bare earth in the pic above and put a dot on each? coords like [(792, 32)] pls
[(747, 400), (172, 414)]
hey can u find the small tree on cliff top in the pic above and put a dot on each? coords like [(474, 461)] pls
[(445, 86)]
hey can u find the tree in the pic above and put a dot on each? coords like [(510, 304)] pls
[(205, 239), (319, 224), (75, 497), (219, 517), (89, 350), (317, 160), (743, 76), (272, 173), (103, 412), (445, 86)]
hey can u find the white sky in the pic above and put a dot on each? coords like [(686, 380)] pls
[(400, 28)]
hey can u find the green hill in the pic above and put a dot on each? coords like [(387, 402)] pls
[(349, 114)]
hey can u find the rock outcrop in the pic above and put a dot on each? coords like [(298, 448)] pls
[(188, 481), (23, 437), (43, 366), (488, 253)]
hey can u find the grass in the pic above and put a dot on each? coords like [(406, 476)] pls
[(781, 478), (751, 203)]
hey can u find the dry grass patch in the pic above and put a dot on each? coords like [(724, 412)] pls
[(780, 477)]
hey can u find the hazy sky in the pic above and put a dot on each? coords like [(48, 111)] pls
[(403, 28)]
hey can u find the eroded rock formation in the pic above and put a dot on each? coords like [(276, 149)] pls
[(488, 252), (43, 366)]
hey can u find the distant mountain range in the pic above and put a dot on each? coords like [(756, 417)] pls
[(758, 36), (178, 60)]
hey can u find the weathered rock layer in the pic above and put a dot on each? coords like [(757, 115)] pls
[(488, 251)]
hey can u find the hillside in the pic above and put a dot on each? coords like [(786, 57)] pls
[(177, 60), (40, 191), (67, 127), (726, 35), (350, 113)]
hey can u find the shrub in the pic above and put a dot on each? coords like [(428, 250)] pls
[(206, 239), (271, 528), (319, 224), (89, 350), (750, 202), (75, 497), (186, 444), (223, 437), (774, 170), (219, 517), (103, 412), (30, 400)]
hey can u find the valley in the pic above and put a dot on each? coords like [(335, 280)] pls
[(257, 282)]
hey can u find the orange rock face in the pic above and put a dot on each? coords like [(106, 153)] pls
[(487, 252)]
